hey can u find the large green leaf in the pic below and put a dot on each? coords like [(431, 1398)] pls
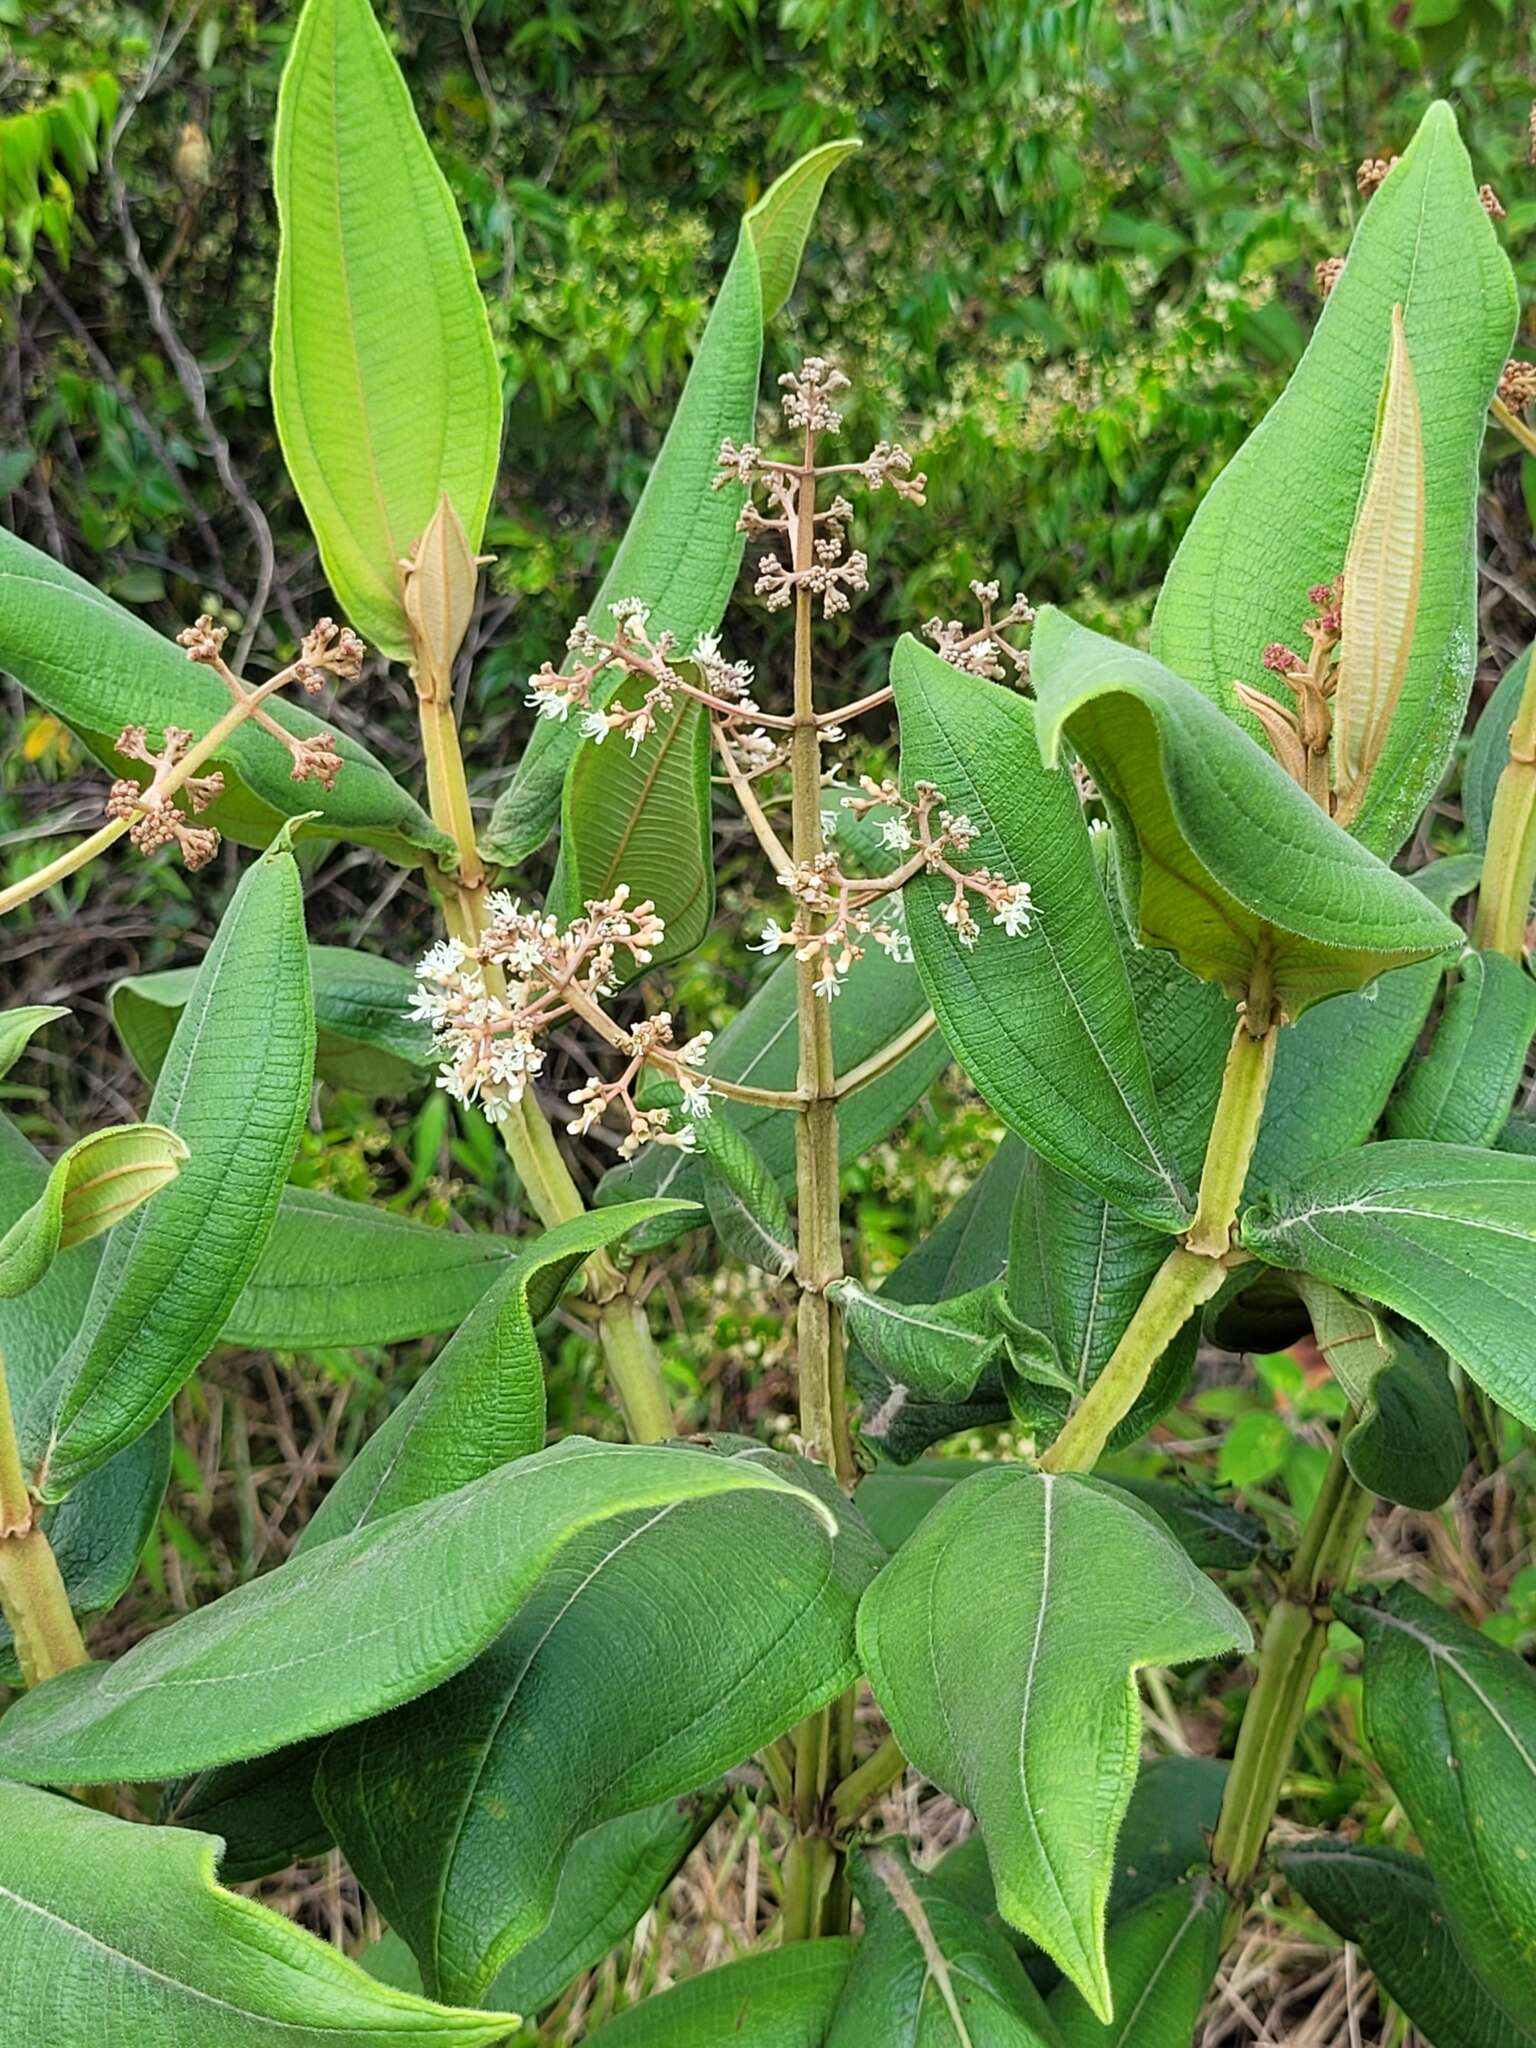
[(1390, 1907), (1461, 1091), (682, 548), (101, 1179), (1043, 1023), (928, 1971), (482, 1403), (234, 1088), (1489, 751), (1162, 1962), (940, 1349), (1204, 812), (641, 816), (781, 1998), (385, 384), (98, 668), (607, 1882), (120, 1935), (1279, 517), (98, 1533), (263, 1811), (1451, 1717), (1444, 1234), (356, 1626), (363, 1037), (983, 1638), (335, 1272), (457, 1811)]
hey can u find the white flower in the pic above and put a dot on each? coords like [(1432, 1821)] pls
[(774, 936), (1015, 911), (828, 985), (896, 834), (697, 1096), (1096, 826), (548, 702), (829, 820), (594, 726), (692, 1054), (441, 961)]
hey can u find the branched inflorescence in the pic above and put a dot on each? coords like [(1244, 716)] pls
[(1300, 738), (631, 680), (151, 812)]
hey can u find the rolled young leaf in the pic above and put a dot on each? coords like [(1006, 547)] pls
[(364, 1038), (234, 1089), (98, 1181), (982, 1671), (1201, 809), (96, 1535), (120, 1934), (98, 668), (1278, 519), (356, 1626), (928, 1969), (682, 548), (385, 384), (457, 1812), (1444, 1234), (1452, 1719), (1461, 1091), (1043, 1023), (1389, 1906)]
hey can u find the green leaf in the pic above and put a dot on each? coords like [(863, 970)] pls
[(982, 1639), (610, 1878), (968, 1249), (1451, 1718), (682, 548), (98, 668), (1162, 1962), (98, 1533), (356, 1626), (385, 384), (1489, 751), (1444, 1234), (1044, 1023), (1216, 1536), (457, 1812), (1279, 517), (263, 1811), (482, 1403), (781, 1998), (1390, 1907), (363, 1036), (1204, 808), (234, 1089), (929, 1970), (336, 1273), (98, 1181), (1461, 1091), (746, 1208), (940, 1348), (20, 1025), (118, 1933), (1408, 1444)]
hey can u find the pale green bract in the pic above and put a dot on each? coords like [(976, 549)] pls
[(385, 384)]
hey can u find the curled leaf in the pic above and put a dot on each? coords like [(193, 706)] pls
[(94, 1185)]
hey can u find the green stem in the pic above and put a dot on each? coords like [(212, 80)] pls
[(861, 1788), (1509, 859), (1234, 1133), (33, 1596), (1294, 1639)]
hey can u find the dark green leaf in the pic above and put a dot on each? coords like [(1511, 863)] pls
[(1162, 1963), (940, 1349), (782, 1998), (746, 1207), (1043, 1023), (264, 1812), (1489, 751), (1279, 517), (1460, 1092)]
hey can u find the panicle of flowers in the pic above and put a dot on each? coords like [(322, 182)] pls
[(151, 811), (723, 684), (983, 651), (1327, 274), (808, 394), (1517, 384), (492, 1005), (834, 913)]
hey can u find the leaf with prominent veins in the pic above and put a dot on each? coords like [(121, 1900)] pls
[(1009, 1680)]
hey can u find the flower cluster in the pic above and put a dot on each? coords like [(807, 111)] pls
[(1327, 274), (153, 818), (1517, 385), (327, 650), (1300, 738), (834, 913), (489, 1005), (1372, 173), (983, 651)]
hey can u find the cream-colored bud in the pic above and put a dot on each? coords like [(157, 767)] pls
[(438, 591)]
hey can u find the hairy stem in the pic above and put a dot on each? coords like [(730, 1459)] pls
[(1194, 1270), (623, 1333), (1292, 1649), (33, 1597), (1509, 859), (862, 1787)]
